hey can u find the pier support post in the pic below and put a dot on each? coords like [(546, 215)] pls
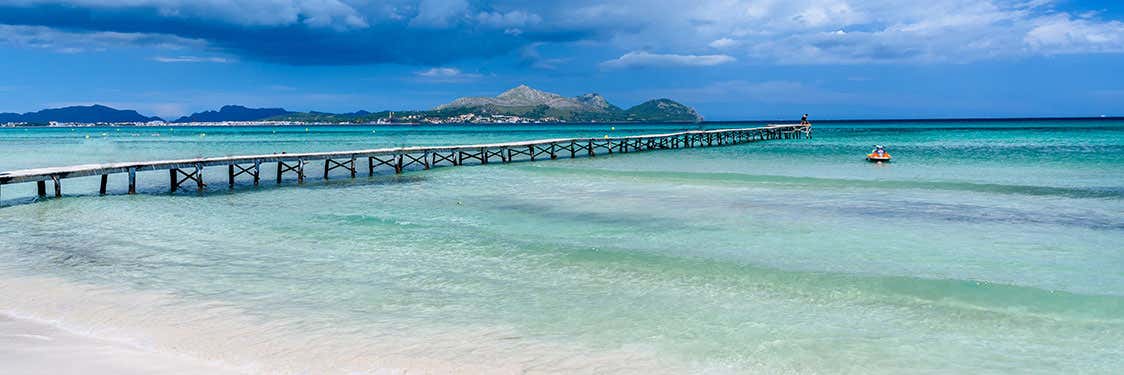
[(300, 171), (330, 164), (58, 186), (173, 179), (132, 180), (234, 170), (257, 172), (41, 188), (104, 182), (297, 167), (376, 161), (199, 176), (195, 175)]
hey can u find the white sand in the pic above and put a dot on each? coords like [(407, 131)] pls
[(29, 347)]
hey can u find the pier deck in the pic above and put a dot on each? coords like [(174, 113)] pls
[(190, 171)]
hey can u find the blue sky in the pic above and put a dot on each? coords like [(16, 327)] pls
[(730, 59)]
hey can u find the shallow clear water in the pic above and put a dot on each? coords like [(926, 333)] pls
[(984, 247)]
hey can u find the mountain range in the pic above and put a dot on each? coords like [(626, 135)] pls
[(234, 113), (523, 100), (83, 114), (524, 96), (520, 104)]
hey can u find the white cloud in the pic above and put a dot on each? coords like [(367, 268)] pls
[(439, 14), (723, 43), (512, 19), (769, 31), (41, 37), (853, 31), (1064, 34), (191, 59), (641, 59), (445, 75), (440, 72)]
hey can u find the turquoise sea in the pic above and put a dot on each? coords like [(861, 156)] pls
[(985, 247)]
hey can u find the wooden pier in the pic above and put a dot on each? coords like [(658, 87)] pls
[(188, 173)]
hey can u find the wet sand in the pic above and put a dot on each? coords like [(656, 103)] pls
[(32, 348)]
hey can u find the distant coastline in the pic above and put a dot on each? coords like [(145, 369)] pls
[(519, 105)]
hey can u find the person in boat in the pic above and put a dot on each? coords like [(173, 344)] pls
[(879, 151), (804, 120)]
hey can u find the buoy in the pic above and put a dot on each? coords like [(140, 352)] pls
[(613, 128), (306, 130), (87, 136)]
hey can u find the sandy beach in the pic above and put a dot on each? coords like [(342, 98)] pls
[(31, 348)]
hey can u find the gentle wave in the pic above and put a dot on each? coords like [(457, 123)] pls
[(1111, 192)]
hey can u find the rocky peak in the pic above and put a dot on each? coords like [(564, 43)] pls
[(594, 101), (524, 95)]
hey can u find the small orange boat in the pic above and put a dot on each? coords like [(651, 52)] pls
[(885, 157)]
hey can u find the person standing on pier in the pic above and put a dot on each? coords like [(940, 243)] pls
[(807, 126)]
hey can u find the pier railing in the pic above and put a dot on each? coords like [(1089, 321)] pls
[(183, 172)]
